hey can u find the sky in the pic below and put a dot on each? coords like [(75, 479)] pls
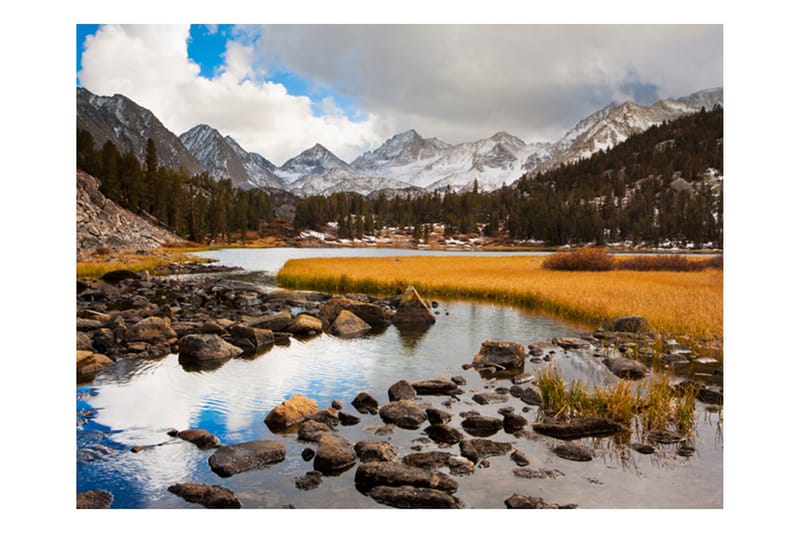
[(279, 89)]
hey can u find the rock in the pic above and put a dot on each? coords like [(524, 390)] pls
[(213, 326), (275, 322), (437, 416), (153, 330), (531, 395), (642, 448), (437, 386), (460, 466), (307, 454), (477, 449), (373, 450), (711, 396), (88, 364), (573, 343), (513, 422), (83, 341), (485, 398), (573, 452), (402, 390), (481, 426), (118, 276), (374, 315), (210, 496), (94, 499), (459, 380), (348, 324), (523, 378), (87, 324), (200, 438), (412, 311), (290, 412), (347, 419), (577, 428), (365, 403), (329, 417), (541, 348), (625, 368), (334, 454), (312, 431), (305, 325), (500, 354), (403, 413), (369, 475), (664, 437), (338, 405), (627, 324), (520, 501), (442, 433), (253, 455), (519, 458), (203, 347), (406, 497), (428, 460), (540, 473), (309, 480), (252, 341)]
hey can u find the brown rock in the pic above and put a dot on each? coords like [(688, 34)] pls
[(304, 325), (254, 455), (403, 413), (210, 496), (577, 428), (153, 330), (334, 454), (414, 498), (412, 310), (387, 474), (402, 390), (625, 368), (500, 354), (199, 437), (290, 412), (274, 322), (203, 347), (94, 499), (437, 386), (374, 315), (476, 449), (365, 403), (348, 324), (374, 450)]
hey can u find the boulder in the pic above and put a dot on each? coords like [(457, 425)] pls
[(348, 324), (275, 322), (513, 422), (519, 458), (153, 329), (476, 449), (346, 419), (374, 315), (205, 347), (520, 501), (328, 416), (412, 311), (309, 480), (500, 354), (406, 497), (88, 364), (481, 426), (210, 496), (573, 343), (94, 499), (254, 455), (334, 454), (437, 416), (627, 324), (83, 341), (369, 475), (402, 390), (573, 452), (428, 460), (437, 386), (374, 450), (305, 325), (290, 412), (485, 398), (213, 326), (365, 403), (252, 341), (460, 466), (403, 413), (199, 437), (577, 428), (312, 431), (117, 276), (531, 395), (625, 368), (443, 433)]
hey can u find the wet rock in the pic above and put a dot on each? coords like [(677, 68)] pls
[(305, 325), (523, 378), (199, 437), (664, 437), (388, 474), (436, 387), (329, 417), (87, 324), (373, 450), (577, 428), (403, 413), (573, 452), (540, 473), (519, 458), (94, 499), (118, 276), (481, 426), (642, 448), (210, 496), (338, 405), (428, 460), (477, 449), (252, 341), (347, 419), (402, 390), (311, 430), (520, 501), (372, 314), (627, 324), (307, 454), (460, 466), (412, 311), (204, 347), (290, 412), (686, 450), (513, 422), (365, 403), (711, 396), (406, 497), (541, 348), (275, 322), (625, 368), (485, 398), (309, 480), (83, 341), (348, 325), (573, 343), (334, 454), (500, 355), (437, 416), (152, 329), (443, 433), (213, 326), (88, 364), (253, 455), (458, 380)]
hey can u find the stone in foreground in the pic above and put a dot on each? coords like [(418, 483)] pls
[(369, 475), (406, 497), (500, 354), (291, 412), (578, 428), (210, 496), (403, 413), (94, 499), (254, 455), (520, 501), (334, 454), (207, 347), (348, 324)]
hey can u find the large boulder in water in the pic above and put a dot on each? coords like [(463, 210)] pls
[(334, 454), (290, 412), (401, 390), (625, 368), (254, 455), (252, 341), (348, 324), (403, 413), (305, 325), (210, 496), (413, 311), (89, 364), (206, 347), (578, 428), (500, 354), (388, 474), (153, 329), (374, 315), (406, 497)]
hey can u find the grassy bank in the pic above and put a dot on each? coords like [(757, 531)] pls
[(676, 303), (154, 261)]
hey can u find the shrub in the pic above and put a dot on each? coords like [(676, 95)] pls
[(672, 263), (596, 259)]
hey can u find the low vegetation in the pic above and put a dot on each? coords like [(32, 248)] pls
[(104, 260), (674, 303), (599, 259)]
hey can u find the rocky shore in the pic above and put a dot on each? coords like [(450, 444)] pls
[(206, 321)]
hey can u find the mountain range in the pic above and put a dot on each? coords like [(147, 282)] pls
[(407, 162)]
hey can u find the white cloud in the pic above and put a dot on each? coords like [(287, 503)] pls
[(150, 65)]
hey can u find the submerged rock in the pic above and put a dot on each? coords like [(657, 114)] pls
[(520, 501), (406, 497), (254, 455), (428, 460), (210, 496), (94, 499), (309, 480), (477, 449), (577, 428), (625, 368), (574, 452), (373, 450)]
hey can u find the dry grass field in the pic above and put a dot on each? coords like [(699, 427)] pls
[(683, 304)]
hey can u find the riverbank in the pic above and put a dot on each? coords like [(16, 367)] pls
[(681, 304)]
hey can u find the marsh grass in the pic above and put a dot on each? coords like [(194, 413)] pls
[(155, 261)]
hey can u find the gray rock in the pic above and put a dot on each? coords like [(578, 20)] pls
[(414, 498), (520, 501), (311, 430), (210, 496), (375, 474), (206, 347), (477, 449), (436, 387), (254, 455), (308, 481), (402, 390), (403, 413), (348, 325), (373, 450), (625, 368), (94, 499), (437, 416), (485, 398), (443, 433), (412, 311), (481, 426), (500, 355), (365, 403), (573, 452), (579, 428)]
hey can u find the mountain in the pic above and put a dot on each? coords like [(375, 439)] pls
[(128, 125), (316, 160), (222, 157)]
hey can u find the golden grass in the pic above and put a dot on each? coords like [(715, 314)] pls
[(685, 304), (155, 261)]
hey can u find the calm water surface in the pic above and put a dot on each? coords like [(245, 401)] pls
[(137, 402)]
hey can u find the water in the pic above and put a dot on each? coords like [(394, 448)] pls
[(136, 403)]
